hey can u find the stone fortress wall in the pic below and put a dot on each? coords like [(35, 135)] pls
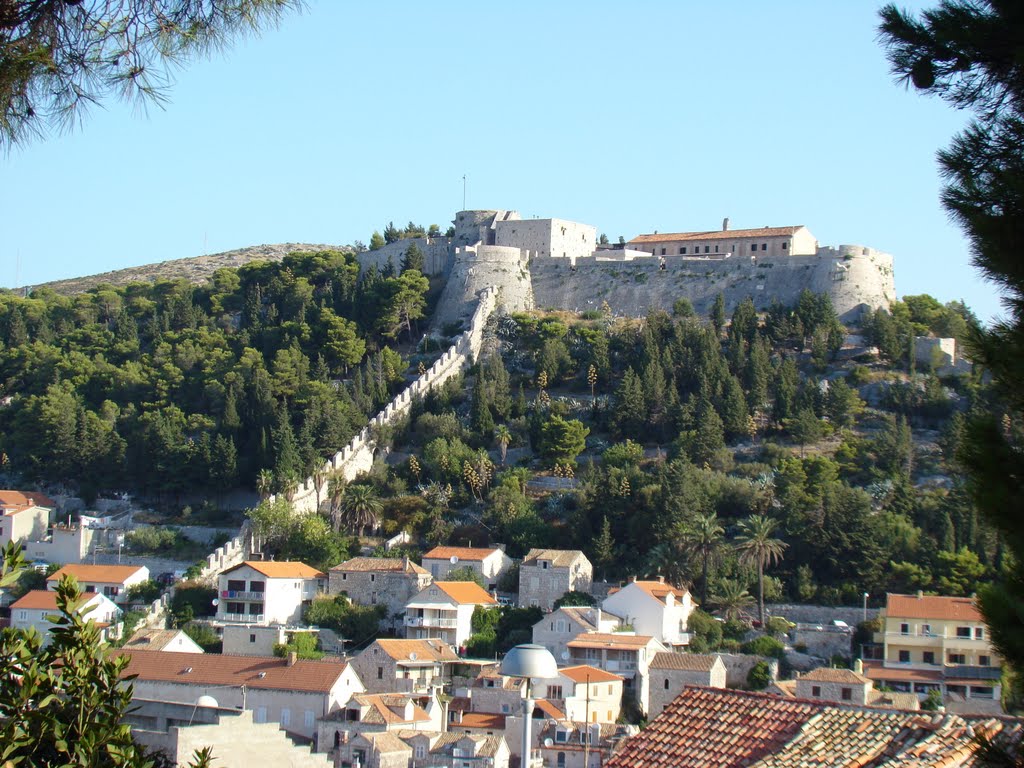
[(358, 455)]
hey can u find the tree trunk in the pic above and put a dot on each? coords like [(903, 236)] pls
[(760, 593)]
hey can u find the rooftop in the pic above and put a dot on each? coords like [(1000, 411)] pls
[(279, 570), (465, 592), (560, 558), (417, 650), (609, 640), (97, 574), (16, 501), (584, 673), (719, 234), (931, 607), (832, 675), (379, 565), (462, 553), (690, 662), (220, 669)]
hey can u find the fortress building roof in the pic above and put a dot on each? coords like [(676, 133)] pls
[(721, 234)]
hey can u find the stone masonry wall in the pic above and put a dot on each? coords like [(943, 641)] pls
[(357, 456), (437, 255), (477, 268)]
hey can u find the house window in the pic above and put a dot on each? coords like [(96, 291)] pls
[(261, 715), (707, 249), (963, 632), (764, 246), (928, 657), (979, 633), (846, 694), (785, 245), (252, 638), (236, 585), (904, 657), (981, 692), (560, 760), (926, 629), (984, 661), (609, 690), (753, 246), (373, 577), (257, 586), (682, 250), (904, 629), (308, 718), (544, 564), (662, 251), (561, 736), (380, 673), (957, 658), (666, 684), (344, 577), (816, 691), (286, 716), (421, 752), (255, 609), (554, 691), (23, 615), (236, 607), (716, 249)]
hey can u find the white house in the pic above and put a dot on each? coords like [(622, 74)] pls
[(24, 516), (265, 593), (625, 654), (716, 244), (444, 611), (112, 581), (295, 693), (405, 666), (556, 629), (653, 608), (587, 694), (547, 574), (166, 640), (35, 608), (488, 562)]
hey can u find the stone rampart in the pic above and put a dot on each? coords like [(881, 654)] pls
[(477, 268), (358, 455), (855, 277), (437, 255)]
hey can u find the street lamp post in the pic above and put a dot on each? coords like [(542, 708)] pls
[(528, 661), (865, 606)]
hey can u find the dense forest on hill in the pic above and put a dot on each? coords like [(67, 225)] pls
[(169, 387)]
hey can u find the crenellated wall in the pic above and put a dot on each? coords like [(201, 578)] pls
[(358, 455)]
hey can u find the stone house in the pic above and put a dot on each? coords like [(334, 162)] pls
[(556, 629), (387, 581), (373, 714), (932, 642), (671, 672), (372, 750), (458, 750), (295, 693), (719, 244), (34, 609), (24, 516), (547, 574), (587, 694), (488, 562), (653, 608), (567, 744), (406, 666), (842, 686), (112, 581), (444, 611), (266, 593), (628, 655)]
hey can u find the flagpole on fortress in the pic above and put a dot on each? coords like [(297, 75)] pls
[(463, 191)]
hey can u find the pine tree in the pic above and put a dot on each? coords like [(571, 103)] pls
[(630, 408)]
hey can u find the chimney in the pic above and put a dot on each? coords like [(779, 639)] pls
[(661, 579), (725, 224), (632, 579), (920, 594), (858, 667), (292, 658)]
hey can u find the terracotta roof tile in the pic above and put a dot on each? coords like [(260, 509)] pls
[(37, 600), (389, 709), (550, 709), (273, 569), (152, 639), (609, 640), (379, 565), (465, 592), (728, 234), (96, 574), (583, 673), (875, 670), (659, 589), (832, 675), (691, 662), (16, 501), (425, 650), (484, 720), (463, 553), (931, 607), (221, 669), (384, 742)]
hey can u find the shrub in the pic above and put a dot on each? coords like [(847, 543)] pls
[(575, 598), (759, 677), (627, 454), (765, 646), (777, 626), (705, 629), (735, 629)]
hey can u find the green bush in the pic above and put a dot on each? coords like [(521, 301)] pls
[(705, 630), (735, 629), (777, 626), (627, 454), (759, 677), (145, 592), (764, 646)]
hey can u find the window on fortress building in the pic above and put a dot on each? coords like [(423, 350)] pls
[(662, 251), (707, 249), (716, 249), (785, 245), (682, 250), (753, 247), (764, 246)]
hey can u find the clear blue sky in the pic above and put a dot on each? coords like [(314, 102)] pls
[(632, 117)]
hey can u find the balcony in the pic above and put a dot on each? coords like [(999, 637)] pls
[(928, 639), (228, 594), (430, 621), (615, 665), (243, 618)]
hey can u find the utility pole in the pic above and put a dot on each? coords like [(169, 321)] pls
[(463, 191), (586, 728)]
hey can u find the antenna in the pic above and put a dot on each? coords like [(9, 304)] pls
[(463, 191)]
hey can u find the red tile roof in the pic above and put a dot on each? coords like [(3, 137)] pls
[(16, 501), (378, 565), (465, 592), (36, 600), (424, 650), (483, 720), (550, 709), (875, 670), (96, 574), (727, 234), (219, 669), (584, 673), (832, 675), (609, 640), (462, 553), (280, 570), (688, 662), (931, 607)]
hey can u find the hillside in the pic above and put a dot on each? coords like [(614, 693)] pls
[(195, 269)]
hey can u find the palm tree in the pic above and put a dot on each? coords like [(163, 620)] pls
[(704, 540), (319, 481), (336, 485), (756, 546), (732, 599), (264, 482), (503, 437), (664, 560), (361, 507)]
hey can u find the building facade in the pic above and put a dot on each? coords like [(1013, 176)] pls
[(266, 593), (653, 608), (444, 611), (387, 581), (489, 563), (547, 574)]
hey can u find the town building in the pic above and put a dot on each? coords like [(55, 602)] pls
[(24, 516), (628, 655), (488, 562), (387, 581), (35, 608), (931, 642), (265, 593), (567, 744), (405, 666), (653, 608), (842, 686), (587, 694), (730, 243), (459, 750), (716, 728), (555, 630), (63, 543), (444, 611), (376, 713), (671, 672), (112, 581), (166, 640), (295, 693), (547, 574)]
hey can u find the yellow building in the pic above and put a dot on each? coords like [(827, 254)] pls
[(939, 643)]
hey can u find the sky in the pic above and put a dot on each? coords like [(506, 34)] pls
[(635, 117)]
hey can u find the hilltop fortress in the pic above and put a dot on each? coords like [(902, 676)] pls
[(557, 264)]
